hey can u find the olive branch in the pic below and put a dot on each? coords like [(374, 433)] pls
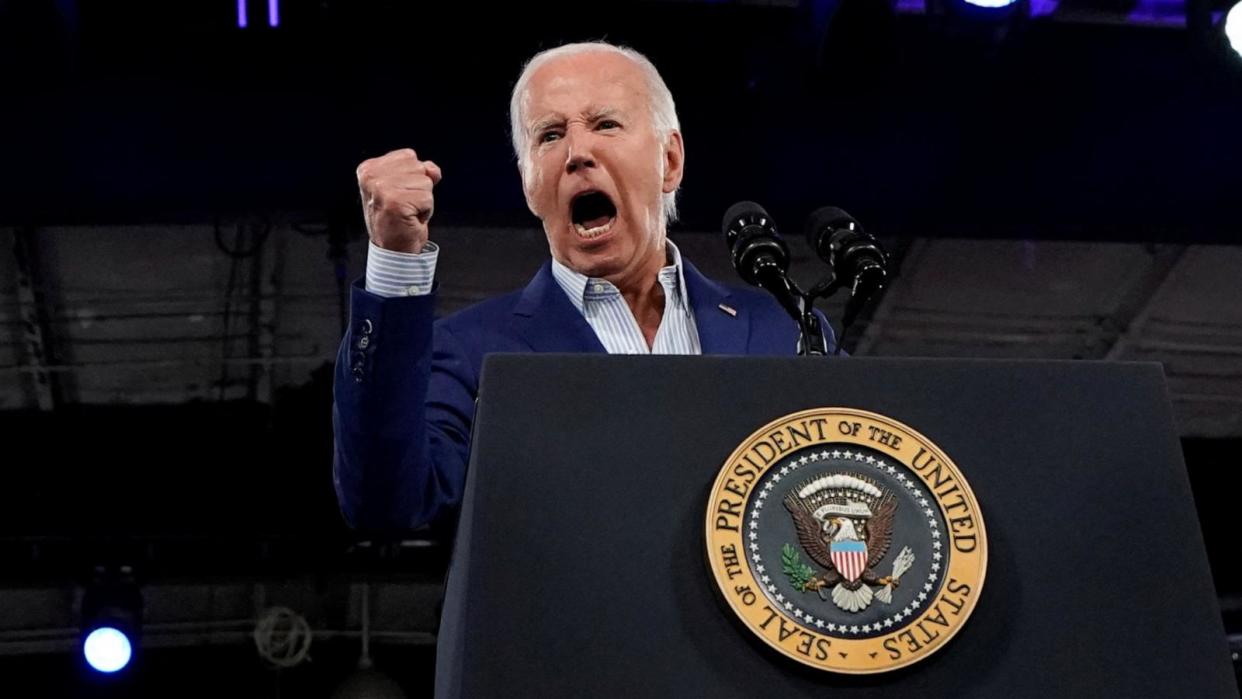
[(798, 572)]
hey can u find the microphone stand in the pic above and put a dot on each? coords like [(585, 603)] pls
[(800, 305), (870, 278)]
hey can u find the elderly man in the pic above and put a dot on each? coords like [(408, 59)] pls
[(601, 157)]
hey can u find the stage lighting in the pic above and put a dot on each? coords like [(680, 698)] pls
[(1233, 28), (989, 12), (111, 617), (107, 649), (993, 9), (243, 13)]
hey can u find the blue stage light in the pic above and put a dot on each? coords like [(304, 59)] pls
[(991, 3), (111, 621), (107, 649)]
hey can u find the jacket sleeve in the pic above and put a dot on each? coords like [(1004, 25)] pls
[(403, 403)]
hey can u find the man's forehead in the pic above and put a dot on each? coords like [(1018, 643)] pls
[(589, 65), (585, 84)]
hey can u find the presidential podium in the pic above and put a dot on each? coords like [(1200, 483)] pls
[(580, 569)]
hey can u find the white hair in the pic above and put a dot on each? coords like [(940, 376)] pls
[(663, 110)]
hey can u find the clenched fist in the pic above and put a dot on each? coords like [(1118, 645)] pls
[(397, 202)]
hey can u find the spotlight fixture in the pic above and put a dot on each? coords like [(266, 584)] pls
[(111, 620)]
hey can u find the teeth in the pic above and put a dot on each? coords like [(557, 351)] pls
[(594, 232)]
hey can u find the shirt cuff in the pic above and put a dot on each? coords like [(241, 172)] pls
[(393, 274)]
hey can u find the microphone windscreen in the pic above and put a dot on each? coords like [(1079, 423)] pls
[(742, 209), (827, 218)]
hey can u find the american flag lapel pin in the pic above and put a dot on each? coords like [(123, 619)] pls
[(728, 309)]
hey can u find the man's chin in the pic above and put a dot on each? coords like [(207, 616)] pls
[(595, 269)]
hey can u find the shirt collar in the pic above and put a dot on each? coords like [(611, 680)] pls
[(582, 289)]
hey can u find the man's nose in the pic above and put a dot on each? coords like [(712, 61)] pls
[(578, 153)]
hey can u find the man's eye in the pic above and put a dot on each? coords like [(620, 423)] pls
[(548, 136), (608, 124)]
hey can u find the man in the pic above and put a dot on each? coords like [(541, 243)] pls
[(601, 158)]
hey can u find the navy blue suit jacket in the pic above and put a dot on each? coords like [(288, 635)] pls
[(405, 387)]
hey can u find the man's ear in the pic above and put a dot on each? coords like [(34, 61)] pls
[(674, 161)]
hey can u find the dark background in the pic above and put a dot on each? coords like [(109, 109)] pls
[(137, 110), (149, 129)]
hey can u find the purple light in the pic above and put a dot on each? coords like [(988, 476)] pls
[(241, 14), (1169, 13), (273, 13), (1044, 8)]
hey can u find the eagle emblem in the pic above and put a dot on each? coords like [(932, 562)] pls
[(845, 525), (829, 536)]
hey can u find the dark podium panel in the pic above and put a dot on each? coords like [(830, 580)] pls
[(579, 568)]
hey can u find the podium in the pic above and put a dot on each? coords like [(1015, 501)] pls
[(580, 569)]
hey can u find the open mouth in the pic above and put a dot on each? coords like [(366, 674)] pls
[(593, 214)]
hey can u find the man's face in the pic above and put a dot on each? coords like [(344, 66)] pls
[(598, 168)]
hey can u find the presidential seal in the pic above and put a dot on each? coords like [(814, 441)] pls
[(846, 540)]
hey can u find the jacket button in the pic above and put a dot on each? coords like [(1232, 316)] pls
[(358, 373), (363, 342), (366, 326)]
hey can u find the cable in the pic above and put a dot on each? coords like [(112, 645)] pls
[(248, 239), (260, 229), (226, 335)]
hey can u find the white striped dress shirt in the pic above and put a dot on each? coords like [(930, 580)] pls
[(392, 274), (606, 311)]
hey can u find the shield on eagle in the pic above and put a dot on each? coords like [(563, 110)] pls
[(850, 557)]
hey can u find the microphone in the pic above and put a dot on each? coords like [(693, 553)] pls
[(761, 257), (759, 254), (856, 258)]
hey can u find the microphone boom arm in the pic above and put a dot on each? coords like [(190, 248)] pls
[(797, 303)]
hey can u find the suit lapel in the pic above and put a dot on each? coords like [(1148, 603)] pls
[(546, 321), (720, 332)]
